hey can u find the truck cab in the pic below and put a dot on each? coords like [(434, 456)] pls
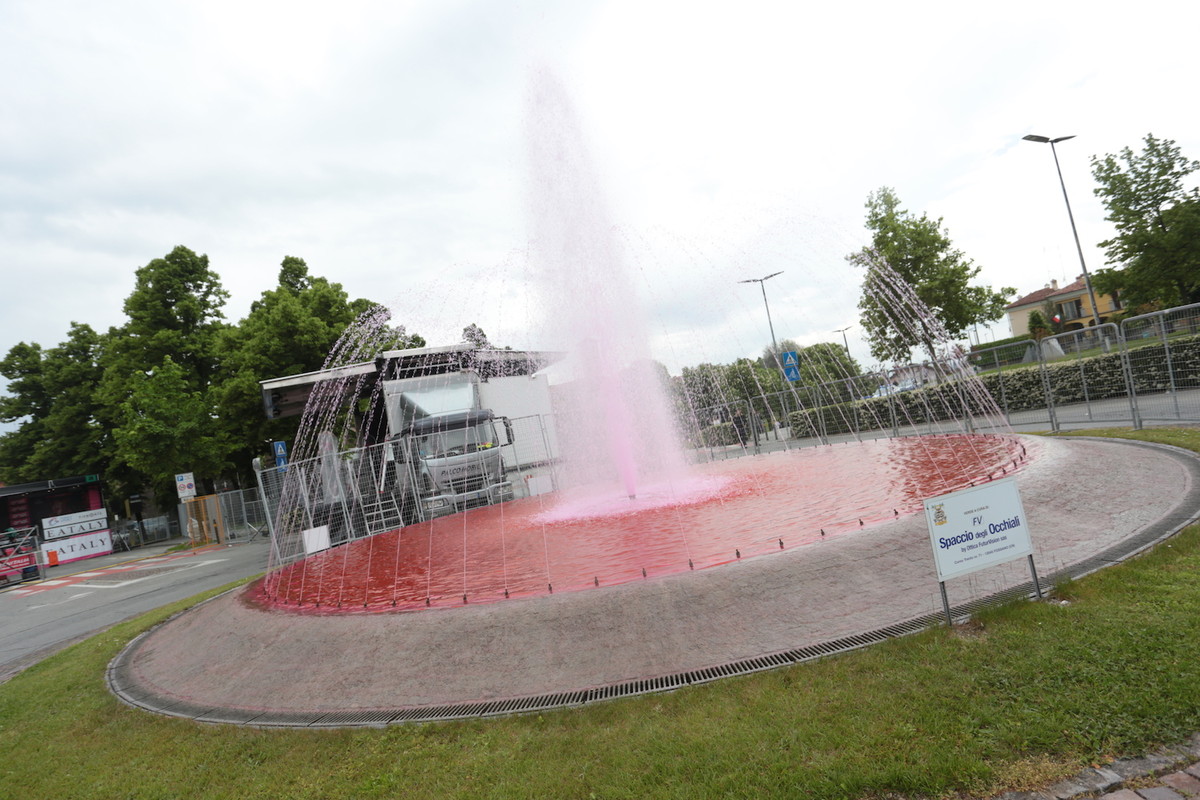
[(456, 462)]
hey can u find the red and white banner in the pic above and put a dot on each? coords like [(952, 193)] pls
[(17, 562)]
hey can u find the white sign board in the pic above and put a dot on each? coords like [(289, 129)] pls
[(77, 547), (74, 524), (185, 485), (977, 528), (316, 539)]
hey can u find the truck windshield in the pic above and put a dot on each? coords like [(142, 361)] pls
[(456, 442)]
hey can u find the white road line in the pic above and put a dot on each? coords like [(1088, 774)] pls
[(75, 596)]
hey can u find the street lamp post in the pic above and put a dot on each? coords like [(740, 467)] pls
[(1087, 279), (760, 282), (845, 342)]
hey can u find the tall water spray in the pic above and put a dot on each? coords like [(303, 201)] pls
[(614, 417)]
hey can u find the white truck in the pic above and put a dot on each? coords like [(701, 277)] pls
[(455, 461)]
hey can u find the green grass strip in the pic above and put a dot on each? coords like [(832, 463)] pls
[(1024, 694)]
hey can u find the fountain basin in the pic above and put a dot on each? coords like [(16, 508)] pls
[(596, 537)]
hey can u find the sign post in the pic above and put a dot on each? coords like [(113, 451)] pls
[(791, 365), (281, 457), (976, 528), (185, 485)]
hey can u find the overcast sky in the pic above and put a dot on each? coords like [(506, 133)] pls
[(383, 143)]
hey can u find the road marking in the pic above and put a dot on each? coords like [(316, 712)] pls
[(75, 596), (120, 578), (108, 578)]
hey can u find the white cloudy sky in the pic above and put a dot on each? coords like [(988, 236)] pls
[(383, 143)]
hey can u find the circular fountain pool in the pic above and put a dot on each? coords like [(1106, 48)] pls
[(589, 538)]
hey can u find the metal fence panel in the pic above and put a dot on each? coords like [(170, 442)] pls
[(1085, 377), (1164, 363), (1017, 389)]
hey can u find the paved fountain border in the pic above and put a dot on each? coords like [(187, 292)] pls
[(123, 682)]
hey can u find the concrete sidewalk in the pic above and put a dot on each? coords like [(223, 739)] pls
[(230, 661)]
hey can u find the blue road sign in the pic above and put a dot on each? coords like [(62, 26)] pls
[(280, 449), (791, 365)]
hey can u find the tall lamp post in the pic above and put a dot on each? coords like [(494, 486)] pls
[(1087, 279), (760, 282), (846, 343)]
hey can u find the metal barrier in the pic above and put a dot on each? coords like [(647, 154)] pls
[(242, 514), (20, 558), (355, 493), (1163, 351), (1147, 369)]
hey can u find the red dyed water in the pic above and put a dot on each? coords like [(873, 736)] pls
[(722, 512)]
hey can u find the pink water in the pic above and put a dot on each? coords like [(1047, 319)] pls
[(725, 511)]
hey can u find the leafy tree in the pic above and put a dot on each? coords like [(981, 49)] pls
[(1158, 225), (919, 252), (474, 335), (168, 426), (173, 312), (28, 405), (290, 330), (54, 400), (771, 358), (1050, 316), (1039, 328)]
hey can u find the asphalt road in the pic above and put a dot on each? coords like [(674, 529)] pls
[(37, 621)]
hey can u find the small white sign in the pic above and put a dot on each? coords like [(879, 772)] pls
[(185, 485), (77, 547), (316, 539), (977, 528), (73, 524)]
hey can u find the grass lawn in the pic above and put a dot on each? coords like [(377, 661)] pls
[(1023, 695)]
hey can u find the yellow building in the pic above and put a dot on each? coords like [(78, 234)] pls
[(1071, 303)]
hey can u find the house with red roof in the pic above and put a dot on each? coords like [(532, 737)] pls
[(1070, 303)]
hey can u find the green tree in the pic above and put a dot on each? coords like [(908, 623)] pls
[(175, 312), (1157, 219), (771, 357), (168, 426), (290, 330), (919, 252), (54, 401), (1039, 328), (474, 335), (28, 405)]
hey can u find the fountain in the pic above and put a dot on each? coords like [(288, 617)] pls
[(629, 507), (646, 572)]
